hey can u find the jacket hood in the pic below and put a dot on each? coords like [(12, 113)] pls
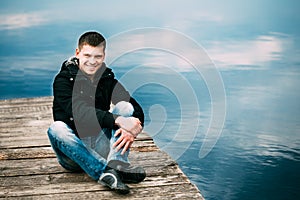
[(71, 65)]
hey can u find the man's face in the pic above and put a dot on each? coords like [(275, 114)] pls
[(90, 59)]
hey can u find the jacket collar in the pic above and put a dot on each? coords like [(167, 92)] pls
[(72, 66)]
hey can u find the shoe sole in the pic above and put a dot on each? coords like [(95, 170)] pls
[(120, 191)]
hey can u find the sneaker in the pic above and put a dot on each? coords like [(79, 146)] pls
[(130, 174), (111, 179)]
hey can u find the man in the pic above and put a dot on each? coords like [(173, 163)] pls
[(85, 135)]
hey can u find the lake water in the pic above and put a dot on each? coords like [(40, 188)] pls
[(219, 84)]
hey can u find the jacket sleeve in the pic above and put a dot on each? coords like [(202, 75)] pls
[(62, 91), (119, 93), (138, 111)]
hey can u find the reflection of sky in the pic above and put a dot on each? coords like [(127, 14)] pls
[(254, 44), (179, 15), (235, 32)]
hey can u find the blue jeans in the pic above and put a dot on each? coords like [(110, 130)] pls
[(90, 154)]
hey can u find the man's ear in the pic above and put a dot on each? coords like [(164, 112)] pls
[(77, 51)]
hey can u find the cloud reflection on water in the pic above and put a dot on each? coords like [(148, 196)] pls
[(21, 20), (242, 54)]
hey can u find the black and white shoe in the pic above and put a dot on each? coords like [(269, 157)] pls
[(131, 174), (111, 179)]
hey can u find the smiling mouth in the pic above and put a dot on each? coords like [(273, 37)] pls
[(91, 68)]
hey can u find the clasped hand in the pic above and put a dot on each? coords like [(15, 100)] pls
[(130, 127)]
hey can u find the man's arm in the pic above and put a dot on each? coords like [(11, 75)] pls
[(129, 127)]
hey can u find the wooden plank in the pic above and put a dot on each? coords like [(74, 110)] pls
[(165, 192), (81, 179), (49, 165), (17, 143), (23, 110), (35, 121), (47, 152), (40, 131), (170, 190), (26, 153), (64, 176), (25, 101), (33, 136), (153, 168), (34, 142)]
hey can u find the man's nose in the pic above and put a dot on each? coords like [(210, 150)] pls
[(92, 60)]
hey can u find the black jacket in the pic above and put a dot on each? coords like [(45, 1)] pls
[(83, 104)]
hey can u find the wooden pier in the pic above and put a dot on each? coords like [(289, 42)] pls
[(29, 169)]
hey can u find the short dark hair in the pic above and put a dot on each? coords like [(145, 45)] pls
[(91, 38)]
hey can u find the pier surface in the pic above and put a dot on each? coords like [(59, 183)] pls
[(29, 169)]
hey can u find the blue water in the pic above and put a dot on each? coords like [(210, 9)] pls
[(233, 124)]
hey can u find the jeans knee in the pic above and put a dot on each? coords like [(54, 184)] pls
[(56, 127), (123, 108), (60, 129)]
